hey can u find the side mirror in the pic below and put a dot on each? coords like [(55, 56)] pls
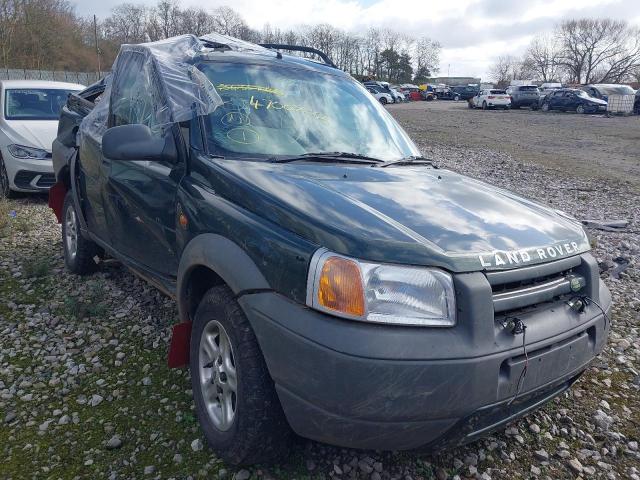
[(136, 142)]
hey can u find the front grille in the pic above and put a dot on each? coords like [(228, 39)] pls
[(515, 290)]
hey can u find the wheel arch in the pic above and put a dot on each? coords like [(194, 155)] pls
[(209, 260)]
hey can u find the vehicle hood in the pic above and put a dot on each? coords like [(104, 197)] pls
[(413, 215), (595, 101), (31, 133)]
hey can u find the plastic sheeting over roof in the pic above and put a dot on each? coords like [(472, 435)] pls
[(163, 85), (235, 44)]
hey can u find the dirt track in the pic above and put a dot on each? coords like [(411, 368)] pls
[(591, 145)]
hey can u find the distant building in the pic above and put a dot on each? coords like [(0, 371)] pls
[(453, 81)]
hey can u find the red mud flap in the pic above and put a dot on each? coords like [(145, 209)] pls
[(179, 348), (56, 199)]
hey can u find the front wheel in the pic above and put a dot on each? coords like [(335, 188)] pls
[(235, 398), (5, 189), (456, 98), (580, 109), (79, 252), (383, 101)]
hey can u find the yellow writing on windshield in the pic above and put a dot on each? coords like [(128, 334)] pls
[(259, 88), (289, 107)]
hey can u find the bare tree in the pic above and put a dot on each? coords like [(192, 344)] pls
[(228, 22), (596, 50), (427, 56), (8, 24), (505, 69), (128, 23), (196, 21), (543, 58)]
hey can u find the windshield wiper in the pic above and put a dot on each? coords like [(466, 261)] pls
[(344, 157), (411, 160)]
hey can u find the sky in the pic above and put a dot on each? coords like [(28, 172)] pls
[(473, 33)]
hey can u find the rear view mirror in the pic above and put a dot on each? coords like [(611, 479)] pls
[(137, 142)]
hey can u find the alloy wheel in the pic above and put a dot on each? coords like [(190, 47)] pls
[(218, 375), (71, 232)]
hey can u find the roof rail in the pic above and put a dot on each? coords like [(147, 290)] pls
[(299, 48)]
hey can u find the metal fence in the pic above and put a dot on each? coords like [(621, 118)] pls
[(84, 78)]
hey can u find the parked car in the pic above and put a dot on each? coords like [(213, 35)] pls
[(397, 96), (572, 99), (462, 92), (603, 90), (382, 97), (490, 98), (428, 94), (29, 111), (636, 104), (523, 96), (329, 279), (385, 87), (402, 96), (412, 94)]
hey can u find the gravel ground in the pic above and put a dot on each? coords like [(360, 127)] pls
[(85, 393), (586, 145)]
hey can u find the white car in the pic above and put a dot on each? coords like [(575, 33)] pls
[(397, 96), (382, 97), (490, 98), (29, 112)]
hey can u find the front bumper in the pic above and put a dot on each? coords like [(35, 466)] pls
[(369, 386), (28, 174)]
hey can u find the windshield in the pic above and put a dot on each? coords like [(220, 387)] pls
[(271, 112), (34, 103), (582, 93)]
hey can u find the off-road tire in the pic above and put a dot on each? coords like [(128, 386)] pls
[(5, 191), (83, 261), (259, 432)]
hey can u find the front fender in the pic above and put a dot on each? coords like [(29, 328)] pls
[(230, 262)]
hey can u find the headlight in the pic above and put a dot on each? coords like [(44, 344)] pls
[(20, 151), (380, 293)]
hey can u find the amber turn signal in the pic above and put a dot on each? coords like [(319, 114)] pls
[(340, 287)]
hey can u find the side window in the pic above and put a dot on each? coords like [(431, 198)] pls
[(134, 98)]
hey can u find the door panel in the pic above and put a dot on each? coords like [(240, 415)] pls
[(93, 178), (142, 198), (141, 195)]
